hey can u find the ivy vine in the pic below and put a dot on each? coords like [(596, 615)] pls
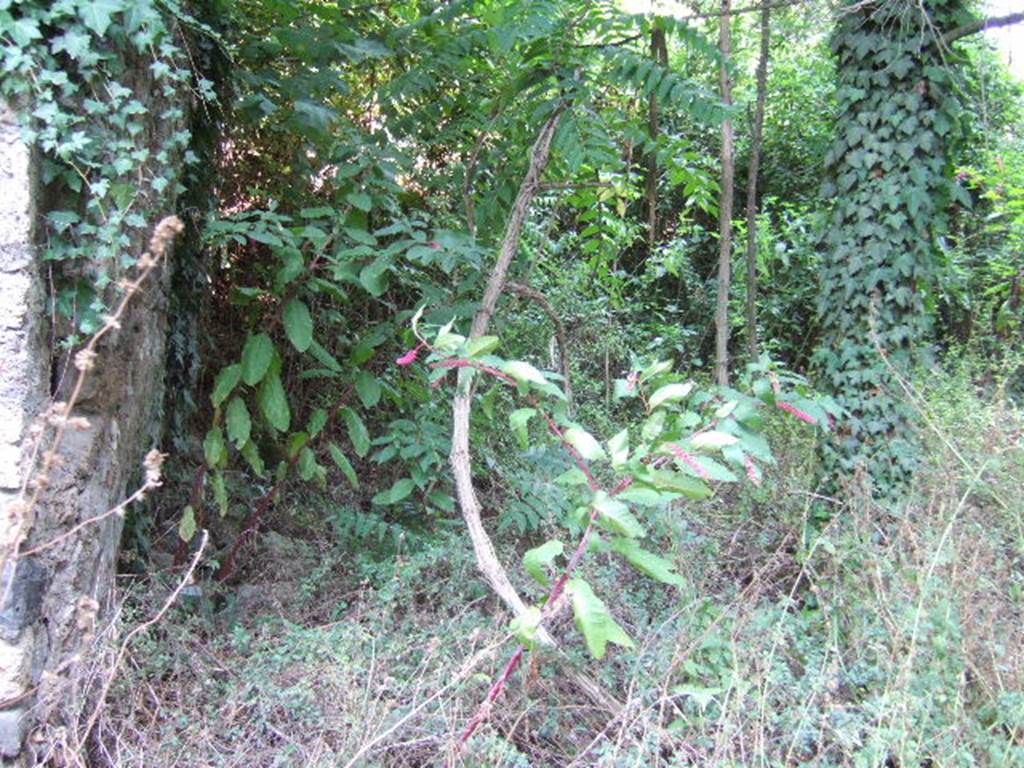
[(100, 86), (889, 175)]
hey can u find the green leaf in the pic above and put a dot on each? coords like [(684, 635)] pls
[(523, 372), (359, 200), (713, 439), (343, 464), (519, 419), (225, 384), (307, 464), (691, 487), (317, 421), (396, 493), (614, 515), (594, 620), (220, 493), (525, 627), (482, 345), (669, 393), (584, 443), (256, 357), (274, 403), (373, 277), (658, 568), (187, 525), (214, 449), (535, 560), (252, 455), (368, 388), (357, 432), (298, 324), (239, 422), (618, 447), (97, 15)]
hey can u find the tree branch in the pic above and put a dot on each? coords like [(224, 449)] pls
[(486, 558), (982, 24)]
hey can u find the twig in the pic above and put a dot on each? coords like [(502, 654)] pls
[(123, 650)]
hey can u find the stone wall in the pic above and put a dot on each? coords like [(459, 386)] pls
[(54, 600), (24, 390)]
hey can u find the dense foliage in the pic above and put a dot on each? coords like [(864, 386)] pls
[(352, 173)]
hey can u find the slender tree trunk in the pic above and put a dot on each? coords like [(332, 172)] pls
[(486, 558), (756, 140), (659, 52), (725, 204)]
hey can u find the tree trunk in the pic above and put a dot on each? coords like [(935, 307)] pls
[(659, 52), (725, 204), (756, 140), (460, 457)]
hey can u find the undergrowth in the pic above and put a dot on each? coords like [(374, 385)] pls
[(810, 631)]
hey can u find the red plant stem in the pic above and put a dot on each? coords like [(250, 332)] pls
[(252, 522), (459, 363), (551, 605)]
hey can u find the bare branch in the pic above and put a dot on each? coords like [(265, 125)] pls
[(980, 25)]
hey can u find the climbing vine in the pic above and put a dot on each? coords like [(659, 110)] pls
[(99, 86), (890, 178)]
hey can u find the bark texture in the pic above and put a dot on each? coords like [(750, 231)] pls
[(725, 203), (756, 142), (486, 557)]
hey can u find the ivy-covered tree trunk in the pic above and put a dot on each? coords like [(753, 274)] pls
[(888, 172)]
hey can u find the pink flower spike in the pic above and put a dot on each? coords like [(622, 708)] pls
[(752, 473), (689, 461), (410, 357), (789, 408)]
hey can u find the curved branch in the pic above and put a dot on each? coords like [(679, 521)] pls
[(486, 558), (563, 350)]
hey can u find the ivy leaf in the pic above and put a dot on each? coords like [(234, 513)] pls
[(519, 419), (225, 384), (535, 560), (594, 620), (368, 388), (585, 444), (658, 568), (615, 516), (239, 422), (669, 393), (256, 356), (357, 432), (98, 15), (298, 324), (274, 403), (396, 493), (23, 31), (343, 464)]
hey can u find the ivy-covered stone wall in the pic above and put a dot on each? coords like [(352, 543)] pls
[(91, 157)]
